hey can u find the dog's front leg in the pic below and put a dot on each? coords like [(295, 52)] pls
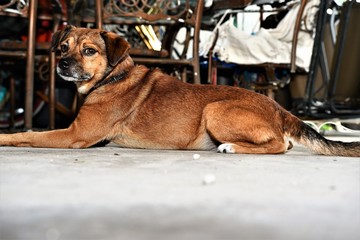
[(63, 138)]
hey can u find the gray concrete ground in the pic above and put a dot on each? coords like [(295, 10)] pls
[(115, 193)]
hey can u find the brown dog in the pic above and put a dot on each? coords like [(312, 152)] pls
[(141, 108)]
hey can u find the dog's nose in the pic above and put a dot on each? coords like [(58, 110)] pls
[(64, 64)]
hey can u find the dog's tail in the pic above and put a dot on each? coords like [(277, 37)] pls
[(306, 135)]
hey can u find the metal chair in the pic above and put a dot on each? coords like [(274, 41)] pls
[(29, 50), (168, 16), (26, 9), (269, 82), (332, 87)]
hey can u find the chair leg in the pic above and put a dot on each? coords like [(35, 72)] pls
[(184, 74), (29, 89), (199, 12), (52, 64), (98, 14), (52, 91), (12, 102), (295, 36)]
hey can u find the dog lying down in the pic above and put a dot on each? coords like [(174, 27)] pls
[(136, 107)]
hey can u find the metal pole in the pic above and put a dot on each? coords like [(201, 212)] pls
[(196, 60), (99, 14), (29, 86), (52, 64)]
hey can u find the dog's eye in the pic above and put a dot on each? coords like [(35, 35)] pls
[(64, 48), (89, 51)]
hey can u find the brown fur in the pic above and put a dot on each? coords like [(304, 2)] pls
[(141, 108)]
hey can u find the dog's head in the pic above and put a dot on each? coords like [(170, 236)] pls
[(87, 56)]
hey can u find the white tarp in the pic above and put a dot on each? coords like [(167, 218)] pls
[(265, 46)]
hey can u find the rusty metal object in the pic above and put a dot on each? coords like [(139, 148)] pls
[(145, 14), (150, 10), (52, 78), (30, 53), (16, 7), (295, 36)]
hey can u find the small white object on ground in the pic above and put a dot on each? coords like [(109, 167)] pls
[(209, 179), (196, 156)]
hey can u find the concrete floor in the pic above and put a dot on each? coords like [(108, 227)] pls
[(115, 193)]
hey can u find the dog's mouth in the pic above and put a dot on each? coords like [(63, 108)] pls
[(72, 76)]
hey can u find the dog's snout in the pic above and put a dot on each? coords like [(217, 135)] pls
[(65, 63)]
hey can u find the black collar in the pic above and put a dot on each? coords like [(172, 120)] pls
[(110, 80)]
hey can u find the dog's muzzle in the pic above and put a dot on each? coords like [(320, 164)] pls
[(64, 64), (67, 69)]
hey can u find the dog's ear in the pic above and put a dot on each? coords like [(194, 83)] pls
[(59, 36), (116, 47)]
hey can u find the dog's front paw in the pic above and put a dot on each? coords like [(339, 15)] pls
[(226, 148)]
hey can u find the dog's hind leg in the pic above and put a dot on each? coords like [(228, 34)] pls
[(272, 146), (246, 128)]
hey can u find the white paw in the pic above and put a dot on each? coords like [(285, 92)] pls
[(226, 148)]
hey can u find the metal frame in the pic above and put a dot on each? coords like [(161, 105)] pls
[(28, 8), (326, 107), (271, 82), (317, 57), (186, 17), (339, 57), (30, 56), (25, 9)]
